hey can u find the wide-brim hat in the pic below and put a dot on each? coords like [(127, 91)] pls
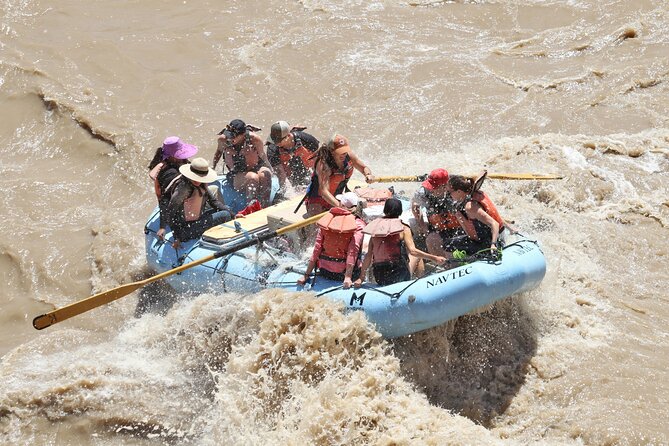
[(199, 170), (436, 178), (174, 147)]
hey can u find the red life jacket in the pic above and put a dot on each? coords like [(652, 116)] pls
[(489, 207), (387, 236), (337, 227)]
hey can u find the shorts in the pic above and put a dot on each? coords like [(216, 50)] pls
[(387, 273), (339, 277)]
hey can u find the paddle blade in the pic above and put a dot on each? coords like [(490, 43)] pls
[(524, 176), (46, 320)]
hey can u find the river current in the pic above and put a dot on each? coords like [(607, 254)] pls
[(574, 87)]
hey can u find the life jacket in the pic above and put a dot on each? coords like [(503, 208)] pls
[(339, 176), (469, 225), (243, 159), (387, 235), (373, 197), (296, 159), (193, 204), (441, 212), (153, 174), (337, 227)]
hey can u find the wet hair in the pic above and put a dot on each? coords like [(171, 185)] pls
[(157, 158), (392, 208), (325, 153), (458, 182)]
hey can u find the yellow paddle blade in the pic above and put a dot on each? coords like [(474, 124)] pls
[(53, 317), (46, 320), (524, 176)]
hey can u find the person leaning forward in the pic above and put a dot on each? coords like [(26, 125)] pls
[(334, 166), (442, 223), (246, 161), (194, 208), (338, 243), (478, 216), (290, 151)]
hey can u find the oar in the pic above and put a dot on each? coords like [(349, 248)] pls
[(496, 176), (60, 314)]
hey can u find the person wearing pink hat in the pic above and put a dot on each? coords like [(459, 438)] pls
[(164, 168), (442, 224)]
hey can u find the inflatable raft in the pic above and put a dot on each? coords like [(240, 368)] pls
[(397, 310)]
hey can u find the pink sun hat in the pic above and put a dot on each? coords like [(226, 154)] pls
[(174, 147)]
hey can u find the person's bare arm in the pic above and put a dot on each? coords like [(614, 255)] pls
[(361, 167), (411, 249), (365, 264), (220, 149), (258, 147), (476, 211)]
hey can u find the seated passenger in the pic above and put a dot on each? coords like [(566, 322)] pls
[(291, 153), (478, 216), (243, 155), (338, 243), (333, 167), (164, 168), (390, 247), (442, 224), (194, 208)]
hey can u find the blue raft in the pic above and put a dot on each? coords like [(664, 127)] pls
[(408, 307), (396, 310)]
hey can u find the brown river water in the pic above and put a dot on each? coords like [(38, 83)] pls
[(575, 87)]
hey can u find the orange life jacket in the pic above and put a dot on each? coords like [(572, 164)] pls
[(441, 212), (443, 221), (387, 236), (342, 171), (337, 227), (153, 174), (300, 152), (489, 207)]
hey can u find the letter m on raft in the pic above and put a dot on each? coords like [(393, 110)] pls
[(355, 298)]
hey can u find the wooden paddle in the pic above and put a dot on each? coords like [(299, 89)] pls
[(60, 314), (496, 176)]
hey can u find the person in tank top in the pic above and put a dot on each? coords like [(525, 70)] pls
[(249, 170)]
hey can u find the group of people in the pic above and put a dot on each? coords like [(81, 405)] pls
[(460, 217)]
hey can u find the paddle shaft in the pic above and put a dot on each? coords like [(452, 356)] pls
[(496, 176), (46, 320)]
